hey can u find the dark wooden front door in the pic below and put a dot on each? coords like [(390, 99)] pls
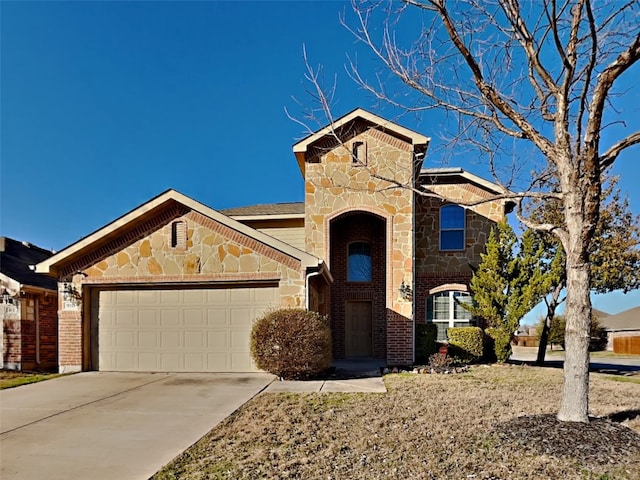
[(358, 334)]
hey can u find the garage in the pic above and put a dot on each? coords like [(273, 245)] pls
[(176, 329)]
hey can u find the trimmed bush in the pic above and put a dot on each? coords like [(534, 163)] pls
[(292, 343), (426, 345), (465, 343), (501, 343)]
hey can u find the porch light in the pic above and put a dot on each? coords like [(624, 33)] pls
[(406, 292)]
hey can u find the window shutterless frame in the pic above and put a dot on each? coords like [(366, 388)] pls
[(452, 228)]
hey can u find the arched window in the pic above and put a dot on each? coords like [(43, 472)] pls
[(359, 262), (452, 227), (445, 310)]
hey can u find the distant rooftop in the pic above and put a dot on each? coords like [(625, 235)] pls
[(627, 320), (291, 208), (15, 259)]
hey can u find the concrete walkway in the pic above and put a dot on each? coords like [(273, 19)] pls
[(349, 376), (105, 426)]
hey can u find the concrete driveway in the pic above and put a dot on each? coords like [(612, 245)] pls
[(113, 425)]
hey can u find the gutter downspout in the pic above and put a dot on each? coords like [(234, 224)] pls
[(321, 270)]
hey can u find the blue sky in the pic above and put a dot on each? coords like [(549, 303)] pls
[(104, 105)]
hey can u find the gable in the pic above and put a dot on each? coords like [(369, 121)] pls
[(348, 127), (147, 230), (210, 250)]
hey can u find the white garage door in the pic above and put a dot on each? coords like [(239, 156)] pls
[(194, 330)]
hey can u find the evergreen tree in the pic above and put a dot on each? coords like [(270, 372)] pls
[(508, 283)]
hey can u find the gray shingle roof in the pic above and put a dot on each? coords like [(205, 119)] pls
[(627, 320), (291, 208), (15, 258)]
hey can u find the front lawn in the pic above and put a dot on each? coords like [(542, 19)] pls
[(490, 423), (10, 379)]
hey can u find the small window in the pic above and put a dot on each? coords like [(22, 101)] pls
[(179, 235), (359, 153), (452, 227), (359, 262), (446, 310)]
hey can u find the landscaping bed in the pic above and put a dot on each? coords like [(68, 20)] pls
[(487, 423)]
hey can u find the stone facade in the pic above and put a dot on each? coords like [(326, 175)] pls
[(358, 179), (209, 253), (337, 185)]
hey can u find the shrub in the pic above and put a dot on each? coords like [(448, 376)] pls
[(501, 343), (599, 339), (439, 362), (426, 345), (292, 343), (465, 343)]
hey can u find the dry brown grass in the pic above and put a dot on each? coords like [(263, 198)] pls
[(492, 422)]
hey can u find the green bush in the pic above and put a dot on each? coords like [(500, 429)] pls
[(501, 343), (465, 343), (426, 345), (599, 339), (292, 343)]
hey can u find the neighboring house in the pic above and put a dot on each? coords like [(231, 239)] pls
[(28, 309), (175, 286), (623, 324)]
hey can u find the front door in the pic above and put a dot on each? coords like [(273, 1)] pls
[(358, 334)]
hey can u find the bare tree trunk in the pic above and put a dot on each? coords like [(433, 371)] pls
[(552, 305), (575, 394)]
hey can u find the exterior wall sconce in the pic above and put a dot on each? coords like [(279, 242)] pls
[(406, 292), (7, 299), (70, 292)]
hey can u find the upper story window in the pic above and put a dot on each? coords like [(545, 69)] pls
[(446, 311), (452, 228), (359, 153), (359, 262)]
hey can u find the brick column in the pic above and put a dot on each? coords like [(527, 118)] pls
[(69, 341), (399, 339)]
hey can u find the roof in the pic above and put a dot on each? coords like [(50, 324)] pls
[(162, 201), (627, 320), (15, 259), (459, 172), (599, 313), (284, 210), (300, 148)]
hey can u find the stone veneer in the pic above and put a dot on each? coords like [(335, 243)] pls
[(479, 221), (334, 185), (212, 253)]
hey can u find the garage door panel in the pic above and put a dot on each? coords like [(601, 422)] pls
[(170, 317), (177, 330), (194, 317)]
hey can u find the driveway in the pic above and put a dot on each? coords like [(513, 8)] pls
[(113, 425)]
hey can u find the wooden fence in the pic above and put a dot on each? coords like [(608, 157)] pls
[(626, 345)]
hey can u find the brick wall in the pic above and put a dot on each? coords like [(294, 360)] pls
[(48, 313), (12, 344), (20, 345), (70, 341), (354, 227)]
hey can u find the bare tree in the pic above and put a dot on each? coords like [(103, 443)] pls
[(544, 74)]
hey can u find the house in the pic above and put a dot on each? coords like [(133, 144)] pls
[(624, 324), (28, 309), (174, 285)]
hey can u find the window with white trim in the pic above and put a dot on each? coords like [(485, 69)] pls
[(446, 311), (452, 227)]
